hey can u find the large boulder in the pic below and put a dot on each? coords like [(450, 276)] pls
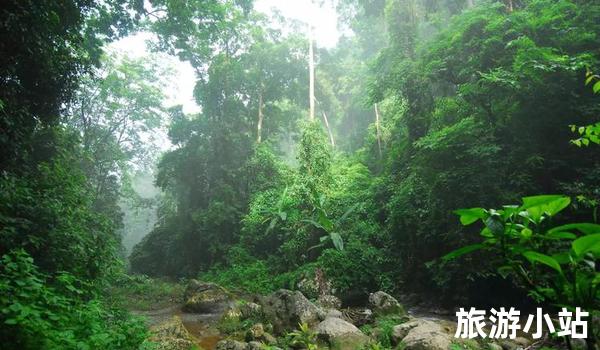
[(202, 297), (340, 334), (421, 335), (384, 304), (171, 335), (231, 345), (286, 309)]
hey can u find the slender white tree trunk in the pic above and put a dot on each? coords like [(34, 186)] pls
[(378, 128), (311, 75), (260, 118), (328, 129)]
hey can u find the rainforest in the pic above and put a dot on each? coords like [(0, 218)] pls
[(299, 174)]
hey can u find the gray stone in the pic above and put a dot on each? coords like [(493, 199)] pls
[(286, 309), (201, 297), (334, 314), (384, 304), (171, 335), (249, 310), (254, 345), (329, 302), (494, 346), (231, 345), (425, 335), (335, 327)]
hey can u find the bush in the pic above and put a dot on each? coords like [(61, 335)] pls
[(39, 312)]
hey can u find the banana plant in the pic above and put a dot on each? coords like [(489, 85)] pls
[(277, 214), (331, 227)]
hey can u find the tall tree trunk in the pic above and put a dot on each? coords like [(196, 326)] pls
[(260, 118), (311, 74), (510, 5), (328, 129), (378, 128)]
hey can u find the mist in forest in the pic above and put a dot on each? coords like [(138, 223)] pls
[(333, 174)]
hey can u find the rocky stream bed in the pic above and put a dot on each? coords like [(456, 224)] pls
[(210, 317)]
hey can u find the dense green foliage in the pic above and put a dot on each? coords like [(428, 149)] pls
[(555, 264), (424, 108), (474, 103), (62, 314)]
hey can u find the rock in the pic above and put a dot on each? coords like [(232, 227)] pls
[(231, 345), (171, 335), (384, 304), (424, 335), (494, 346), (334, 314), (269, 339), (257, 333), (340, 334), (514, 344), (329, 302), (200, 297), (522, 342), (250, 310), (400, 331), (254, 345), (315, 284), (286, 309), (349, 342), (359, 316)]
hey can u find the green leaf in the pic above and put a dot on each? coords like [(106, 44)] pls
[(337, 240), (596, 87), (495, 225), (325, 222), (462, 251), (559, 235), (544, 259), (545, 204), (589, 79), (469, 216), (589, 243), (526, 232), (486, 233), (584, 227)]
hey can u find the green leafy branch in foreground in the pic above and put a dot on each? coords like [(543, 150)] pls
[(557, 264)]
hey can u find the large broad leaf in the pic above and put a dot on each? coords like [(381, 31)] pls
[(583, 227), (544, 259), (546, 204), (589, 243), (462, 251), (495, 224), (325, 222), (337, 240), (314, 223), (559, 235), (469, 216)]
